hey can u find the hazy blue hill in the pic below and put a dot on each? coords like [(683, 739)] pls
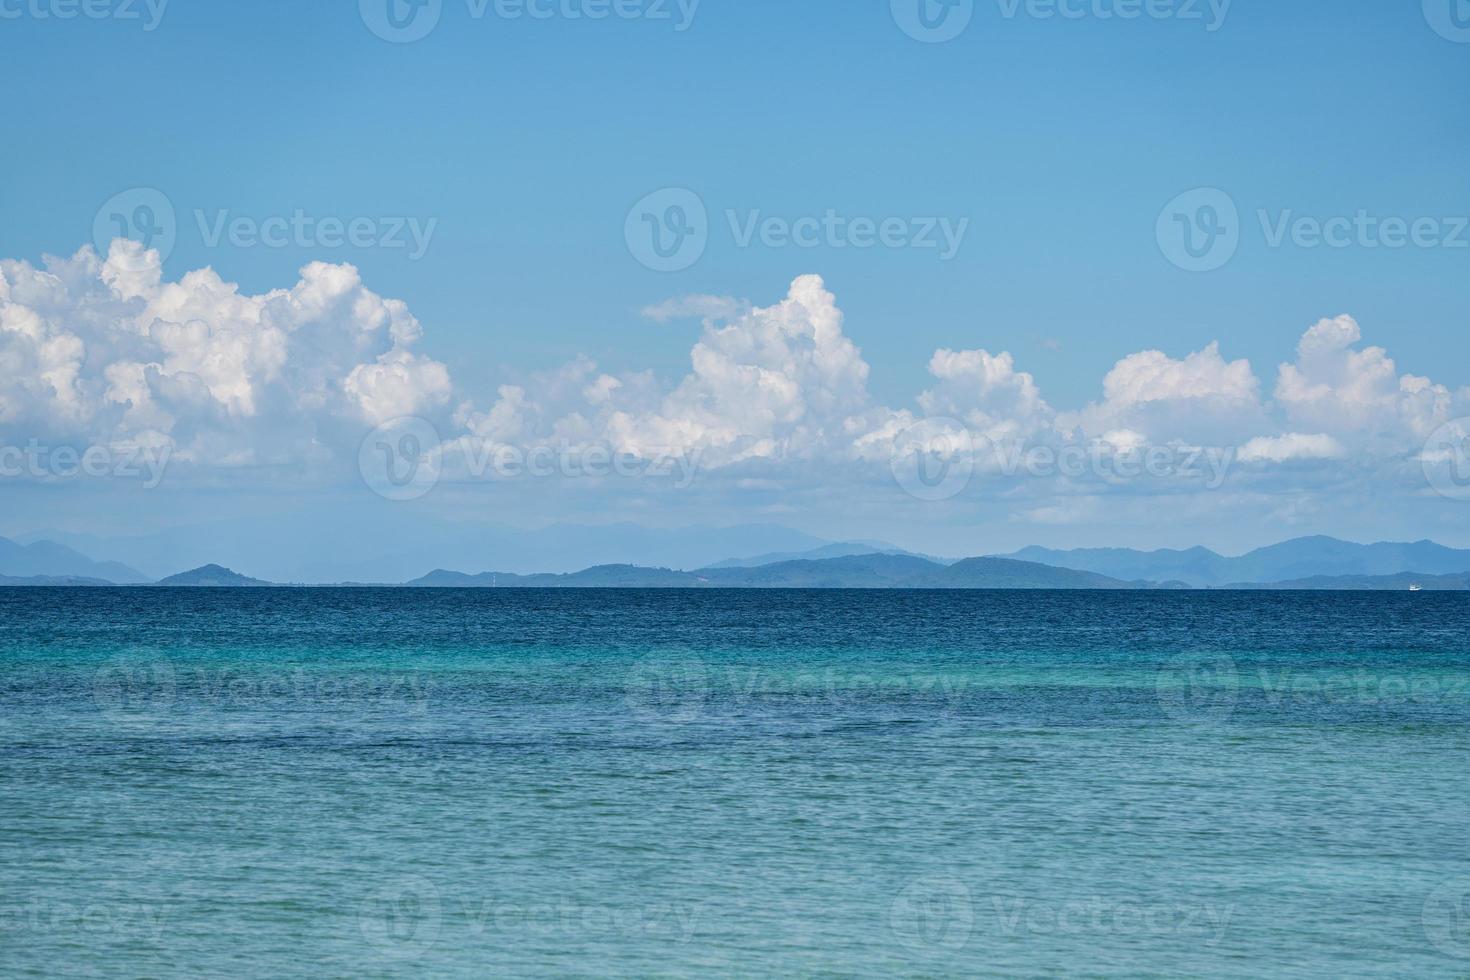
[(1310, 557), (1197, 566), (859, 571), (70, 581), (842, 549), (598, 577), (1374, 583), (627, 576), (1288, 561), (1007, 573), (47, 559), (851, 572), (873, 571), (211, 576), (441, 578)]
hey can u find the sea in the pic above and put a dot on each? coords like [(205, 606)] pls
[(645, 783)]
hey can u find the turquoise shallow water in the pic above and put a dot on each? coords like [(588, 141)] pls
[(643, 783)]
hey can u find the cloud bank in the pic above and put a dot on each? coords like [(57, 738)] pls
[(106, 351)]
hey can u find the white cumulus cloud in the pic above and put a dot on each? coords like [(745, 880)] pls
[(1356, 392), (1292, 445), (109, 351)]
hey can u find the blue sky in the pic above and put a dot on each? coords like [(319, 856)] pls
[(1058, 140)]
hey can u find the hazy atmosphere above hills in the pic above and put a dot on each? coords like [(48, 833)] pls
[(1309, 563)]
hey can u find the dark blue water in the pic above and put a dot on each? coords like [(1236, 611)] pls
[(645, 783)]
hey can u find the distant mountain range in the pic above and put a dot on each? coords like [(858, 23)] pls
[(70, 581), (1305, 563), (841, 549), (333, 547), (47, 559), (1300, 558), (873, 571)]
